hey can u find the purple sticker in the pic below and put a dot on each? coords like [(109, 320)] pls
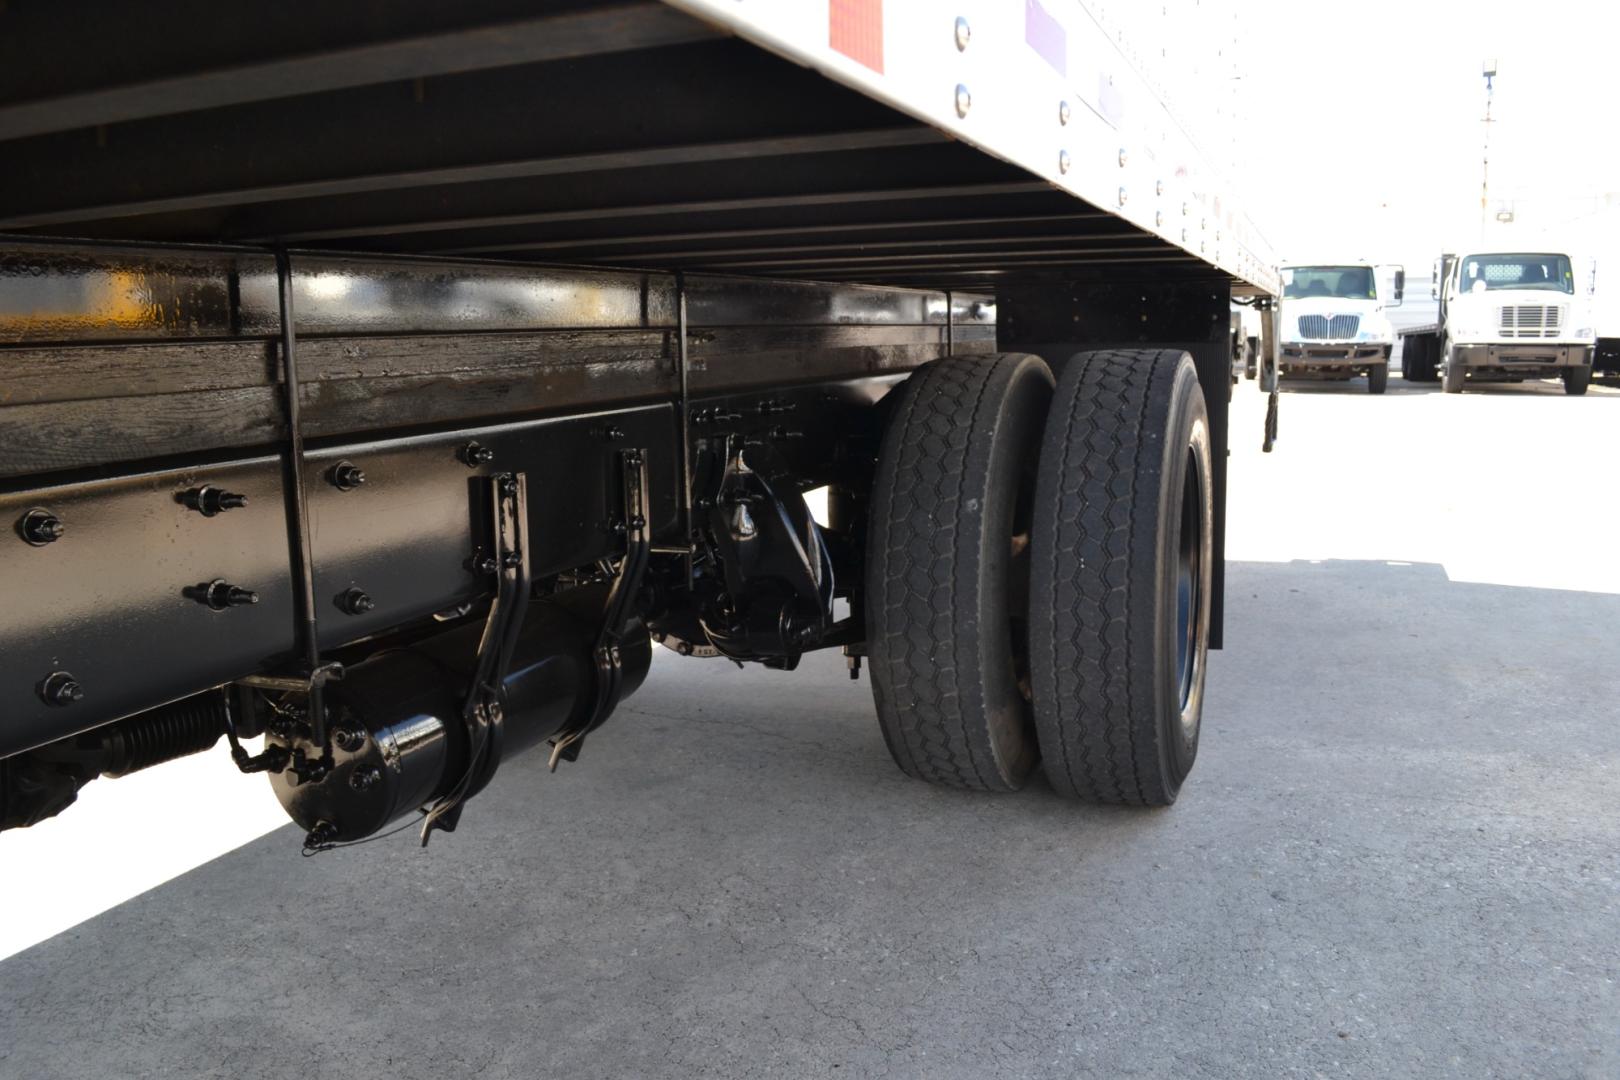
[(1046, 36)]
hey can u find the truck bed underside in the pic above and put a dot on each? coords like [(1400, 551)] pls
[(301, 312), (623, 134)]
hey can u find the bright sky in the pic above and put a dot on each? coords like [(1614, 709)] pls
[(1366, 130)]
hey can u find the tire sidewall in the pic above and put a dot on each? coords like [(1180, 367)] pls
[(1187, 429), (1014, 454)]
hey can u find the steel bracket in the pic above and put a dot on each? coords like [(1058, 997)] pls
[(484, 711), (616, 616)]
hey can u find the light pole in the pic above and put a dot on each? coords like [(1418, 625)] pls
[(1489, 70)]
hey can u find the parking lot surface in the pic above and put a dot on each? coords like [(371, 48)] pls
[(1399, 853)]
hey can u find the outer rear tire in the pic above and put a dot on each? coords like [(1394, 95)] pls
[(1377, 378), (1121, 571), (947, 570), (1576, 380)]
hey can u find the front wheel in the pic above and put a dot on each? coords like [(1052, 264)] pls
[(1121, 572), (1377, 378), (1451, 374), (1577, 379)]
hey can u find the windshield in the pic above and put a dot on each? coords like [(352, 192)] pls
[(1343, 282), (1479, 273)]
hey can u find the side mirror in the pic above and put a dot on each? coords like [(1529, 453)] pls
[(1399, 292)]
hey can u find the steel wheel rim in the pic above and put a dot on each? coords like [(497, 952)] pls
[(1190, 585)]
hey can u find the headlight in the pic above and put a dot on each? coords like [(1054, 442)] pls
[(1472, 322)]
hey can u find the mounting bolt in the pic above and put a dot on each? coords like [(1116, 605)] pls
[(1063, 112), (61, 688), (487, 565), (349, 739), (355, 601), (1158, 187), (684, 648), (513, 560), (217, 595), (209, 500), (346, 476), (365, 778), (1123, 157), (1063, 161), (509, 486), (41, 527), (964, 34), (964, 100), (473, 455), (1122, 196), (611, 433)]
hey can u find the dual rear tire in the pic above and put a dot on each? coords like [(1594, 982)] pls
[(1040, 560)]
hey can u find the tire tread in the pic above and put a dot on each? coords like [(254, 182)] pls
[(1091, 696)]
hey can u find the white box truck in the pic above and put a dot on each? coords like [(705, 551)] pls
[(1335, 324), (1505, 316)]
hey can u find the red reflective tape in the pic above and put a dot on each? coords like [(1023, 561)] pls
[(855, 28)]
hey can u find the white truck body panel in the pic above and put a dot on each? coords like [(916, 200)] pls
[(1071, 92)]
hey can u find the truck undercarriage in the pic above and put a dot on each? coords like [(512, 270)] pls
[(391, 397)]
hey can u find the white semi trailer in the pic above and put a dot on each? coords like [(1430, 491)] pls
[(387, 380)]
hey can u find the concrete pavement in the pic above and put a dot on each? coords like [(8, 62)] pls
[(1398, 855)]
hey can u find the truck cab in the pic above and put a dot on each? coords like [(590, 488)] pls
[(1510, 316), (1334, 322)]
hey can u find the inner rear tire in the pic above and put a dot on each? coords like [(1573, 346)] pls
[(1418, 361), (1121, 571), (1576, 380), (948, 570)]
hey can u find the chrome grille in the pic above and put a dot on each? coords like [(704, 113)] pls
[(1530, 320), (1323, 328)]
